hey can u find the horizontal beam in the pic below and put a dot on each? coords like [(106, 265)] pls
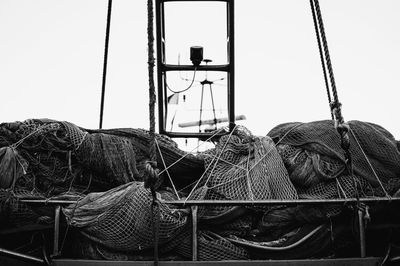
[(228, 1), (210, 121), (201, 136), (320, 262), (240, 202), (167, 67), (279, 202)]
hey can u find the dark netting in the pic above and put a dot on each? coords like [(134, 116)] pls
[(122, 219), (182, 166), (240, 226), (85, 248), (211, 247), (75, 134), (13, 212), (111, 159), (43, 158), (57, 159), (373, 149), (315, 162), (307, 168)]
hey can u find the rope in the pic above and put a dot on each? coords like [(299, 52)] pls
[(321, 55), (335, 105), (151, 165), (336, 111), (103, 85), (216, 159), (325, 46), (165, 167), (369, 164)]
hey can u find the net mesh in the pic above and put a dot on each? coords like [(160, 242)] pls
[(211, 247), (295, 160), (373, 149), (244, 167), (122, 219)]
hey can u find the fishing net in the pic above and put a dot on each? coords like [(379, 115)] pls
[(211, 247), (122, 218), (85, 248), (13, 212), (43, 158), (314, 158), (183, 166), (49, 159), (312, 153), (242, 167)]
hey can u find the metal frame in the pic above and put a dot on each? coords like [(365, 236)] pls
[(193, 204), (163, 68)]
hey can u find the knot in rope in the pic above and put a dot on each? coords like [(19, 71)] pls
[(151, 177), (365, 209), (336, 110), (343, 130)]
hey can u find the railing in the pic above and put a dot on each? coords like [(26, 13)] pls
[(194, 204)]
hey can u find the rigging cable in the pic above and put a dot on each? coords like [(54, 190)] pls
[(341, 127), (151, 179), (335, 105), (103, 85), (321, 55)]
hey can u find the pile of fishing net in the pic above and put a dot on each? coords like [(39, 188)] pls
[(45, 159), (316, 164), (240, 167), (117, 218)]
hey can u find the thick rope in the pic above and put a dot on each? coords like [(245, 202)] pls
[(103, 85), (151, 165), (341, 127), (152, 95), (321, 55), (336, 110), (326, 49)]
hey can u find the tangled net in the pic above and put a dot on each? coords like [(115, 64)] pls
[(104, 169)]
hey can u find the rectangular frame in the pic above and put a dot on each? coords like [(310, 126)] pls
[(162, 68)]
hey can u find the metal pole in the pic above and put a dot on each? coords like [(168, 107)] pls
[(231, 56), (194, 233), (361, 226), (21, 256), (279, 202), (103, 84), (237, 202), (56, 231)]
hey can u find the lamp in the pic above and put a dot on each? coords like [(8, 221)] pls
[(196, 55)]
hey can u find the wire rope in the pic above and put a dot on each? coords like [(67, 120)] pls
[(105, 59)]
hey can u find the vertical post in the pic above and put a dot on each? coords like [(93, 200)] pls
[(56, 230), (160, 36), (103, 84), (231, 57), (361, 232), (194, 233)]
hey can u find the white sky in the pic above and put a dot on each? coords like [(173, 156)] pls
[(51, 58)]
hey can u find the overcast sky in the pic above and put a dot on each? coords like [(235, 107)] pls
[(51, 57)]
